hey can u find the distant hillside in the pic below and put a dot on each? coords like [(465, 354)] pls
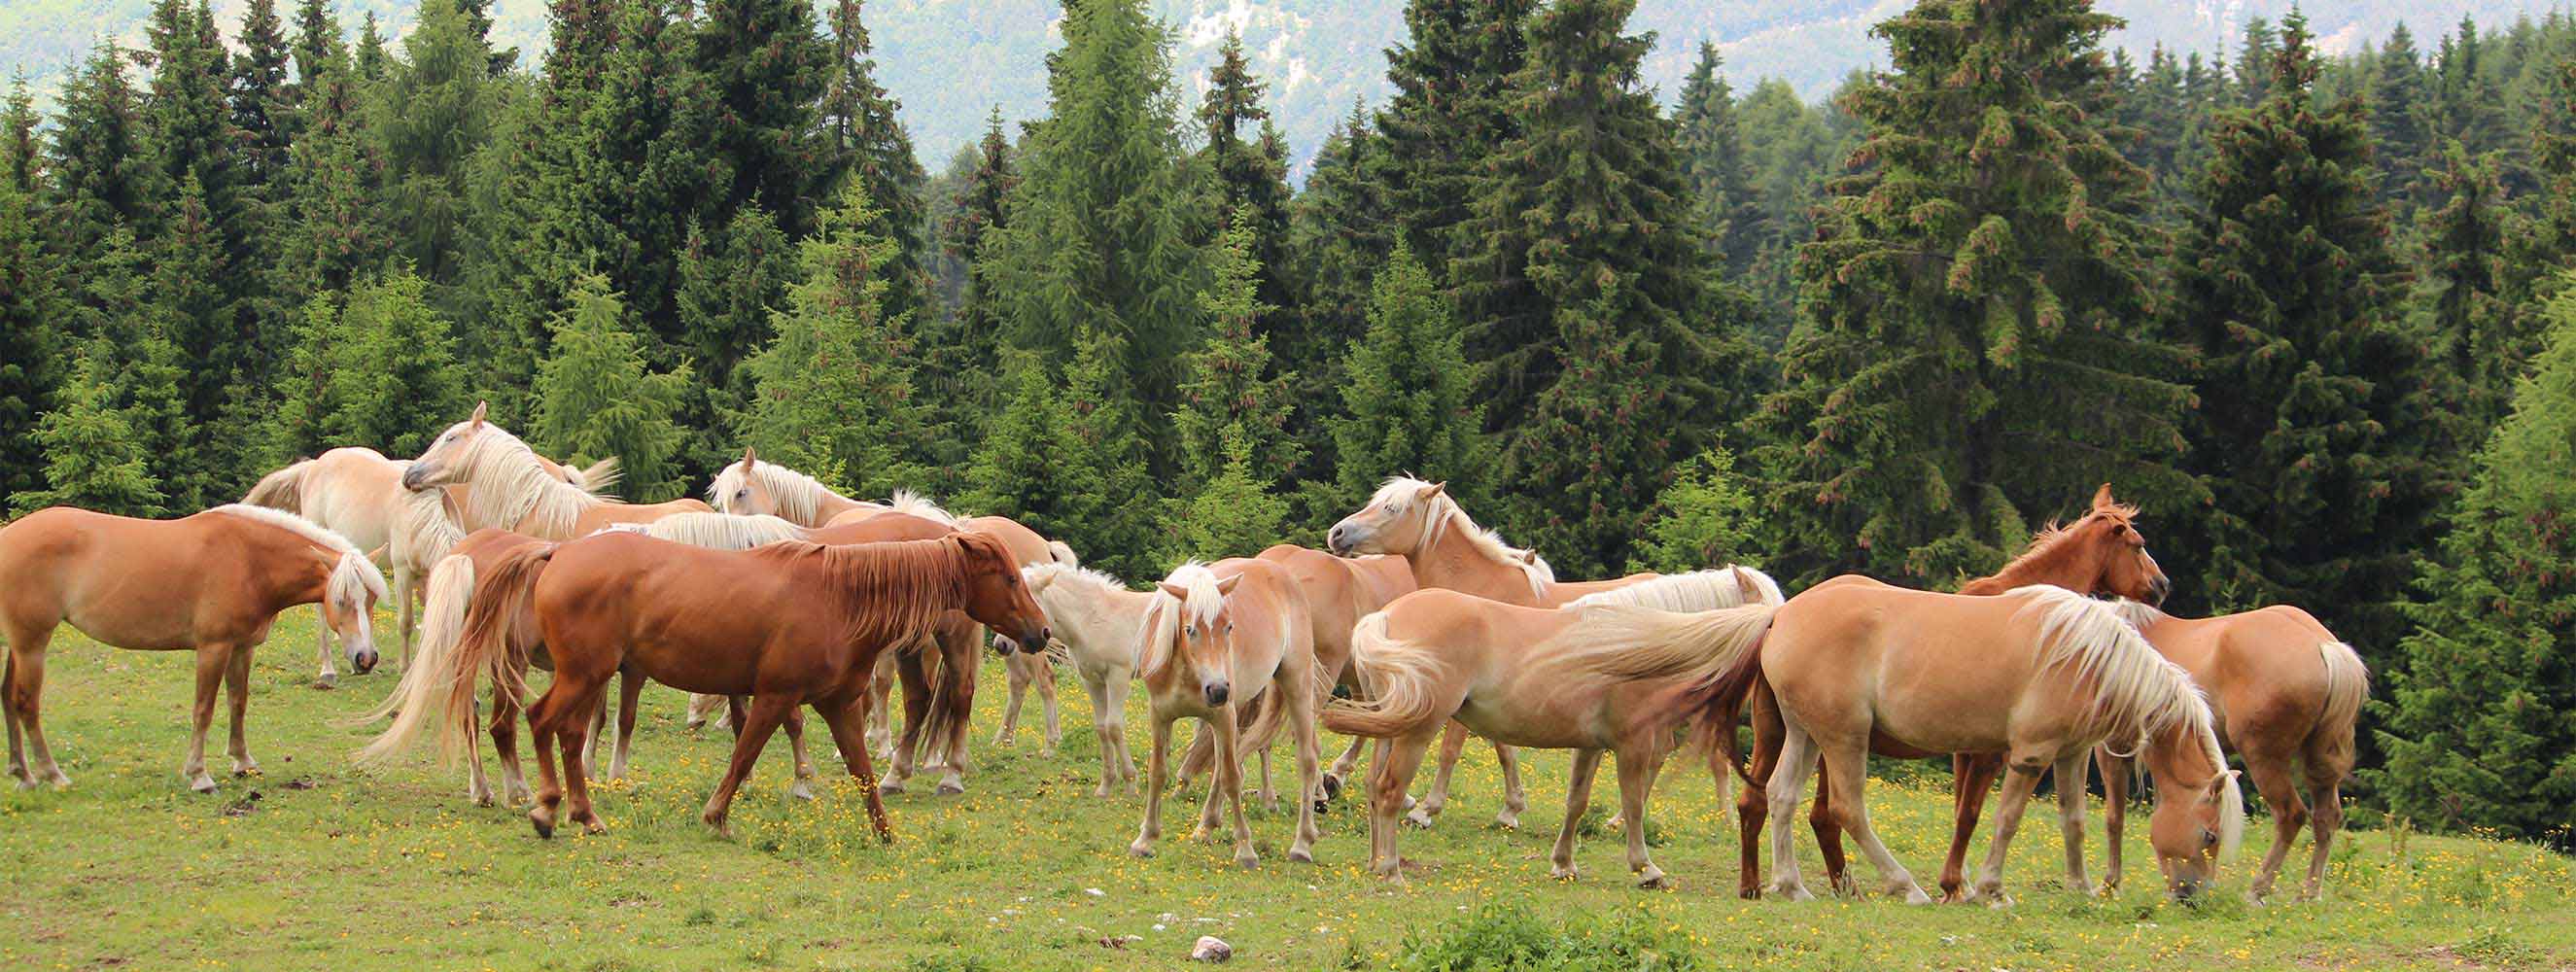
[(951, 60)]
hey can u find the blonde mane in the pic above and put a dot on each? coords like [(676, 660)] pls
[(507, 487), (1399, 495), (1699, 590), (2136, 692), (2139, 614), (426, 531), (907, 501), (799, 497), (1043, 576), (722, 531), (1163, 618), (352, 575)]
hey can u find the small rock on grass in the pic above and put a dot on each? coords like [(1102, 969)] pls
[(1211, 949)]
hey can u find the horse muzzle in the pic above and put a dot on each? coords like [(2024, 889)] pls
[(1217, 692), (2157, 590), (1338, 541), (416, 478), (362, 661)]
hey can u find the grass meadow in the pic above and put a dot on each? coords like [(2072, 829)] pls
[(319, 864)]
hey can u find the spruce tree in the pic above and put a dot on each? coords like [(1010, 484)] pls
[(1408, 407), (129, 336), (1451, 111), (317, 36), (1232, 385), (2316, 404), (94, 459), (189, 121), (337, 173), (767, 67), (961, 364), (2476, 732), (1588, 309), (1339, 240), (2254, 56), (2464, 271), (1236, 513), (393, 377), (1248, 166), (1097, 254), (1111, 491), (201, 322), (596, 397), (2467, 105), (435, 108), (369, 59), (1971, 349), (33, 312), (1707, 518), (834, 389), (1029, 464), (866, 142), (22, 150), (2401, 137), (100, 177), (263, 99), (732, 279), (1720, 178)]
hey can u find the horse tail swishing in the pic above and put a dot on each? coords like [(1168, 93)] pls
[(1399, 679), (281, 490), (427, 680), (448, 683)]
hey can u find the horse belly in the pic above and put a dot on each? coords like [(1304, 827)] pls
[(1538, 720)]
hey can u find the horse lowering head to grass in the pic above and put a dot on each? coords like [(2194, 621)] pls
[(210, 583)]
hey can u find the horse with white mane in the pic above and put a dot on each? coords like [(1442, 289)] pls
[(502, 484), (1420, 521), (212, 583), (1219, 637)]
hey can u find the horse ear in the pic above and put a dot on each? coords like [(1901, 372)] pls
[(748, 458), (2102, 498), (1175, 591), (2218, 784), (1225, 585), (1432, 490), (479, 409)]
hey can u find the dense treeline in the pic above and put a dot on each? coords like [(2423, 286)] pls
[(2297, 306)]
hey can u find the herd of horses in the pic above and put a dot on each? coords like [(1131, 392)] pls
[(1415, 626)]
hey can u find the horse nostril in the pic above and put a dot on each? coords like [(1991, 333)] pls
[(1218, 692)]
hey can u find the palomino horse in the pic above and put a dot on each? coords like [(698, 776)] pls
[(1100, 623), (2101, 553), (753, 487), (938, 672), (503, 484), (358, 493), (1446, 549), (1438, 655), (210, 583), (790, 625), (2287, 694), (2041, 674), (1213, 629)]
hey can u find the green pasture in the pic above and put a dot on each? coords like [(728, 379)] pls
[(319, 864)]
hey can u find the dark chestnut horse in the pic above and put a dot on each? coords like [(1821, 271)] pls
[(788, 625)]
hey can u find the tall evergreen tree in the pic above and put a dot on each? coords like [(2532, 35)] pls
[(731, 280), (961, 363), (834, 389), (2316, 403), (1970, 351), (1408, 406), (32, 312), (1720, 177), (382, 372), (1584, 302), (1097, 255), (2399, 101), (337, 174), (2467, 105), (596, 397), (263, 98), (2476, 730), (1339, 240), (93, 458), (1451, 110), (435, 108), (767, 66), (2254, 56), (1234, 395), (317, 35), (864, 141), (201, 321), (141, 370), (370, 58), (22, 150), (1249, 168), (2464, 254)]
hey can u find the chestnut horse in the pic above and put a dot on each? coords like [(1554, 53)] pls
[(2040, 673), (2102, 552), (1446, 549), (1438, 655), (1217, 638), (210, 583), (2287, 694), (789, 624)]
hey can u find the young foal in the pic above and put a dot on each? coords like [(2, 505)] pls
[(1218, 637), (210, 583), (1438, 655), (2287, 694), (788, 624), (1100, 623)]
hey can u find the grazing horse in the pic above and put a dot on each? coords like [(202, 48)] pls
[(1217, 638), (753, 487), (2102, 552), (503, 484), (2041, 674), (358, 493), (1446, 549), (210, 583), (1438, 655), (2287, 694), (789, 624)]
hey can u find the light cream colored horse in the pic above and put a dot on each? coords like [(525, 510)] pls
[(1447, 550), (1100, 622), (2287, 694), (2040, 674), (1219, 637), (1438, 655), (503, 484), (210, 583)]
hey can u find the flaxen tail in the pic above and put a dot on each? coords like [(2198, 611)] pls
[(422, 694), (1400, 679), (281, 490), (601, 478), (2347, 686), (498, 598)]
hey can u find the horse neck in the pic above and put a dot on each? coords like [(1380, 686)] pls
[(2056, 565), (1453, 561), (832, 504), (287, 570), (2175, 758), (1110, 620)]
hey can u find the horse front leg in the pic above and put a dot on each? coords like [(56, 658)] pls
[(2018, 786), (212, 662), (916, 714), (1453, 742), (630, 691), (1637, 766), (330, 674), (1578, 800), (848, 722), (507, 713), (1971, 777), (1156, 772), (403, 627), (800, 788), (2070, 774), (2115, 815)]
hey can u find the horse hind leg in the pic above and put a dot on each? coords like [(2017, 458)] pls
[(1515, 799), (24, 694), (1796, 761), (1396, 764), (1637, 766), (2018, 786), (506, 715), (9, 715), (1019, 683), (2326, 772), (1848, 765), (2271, 770), (1825, 822), (1453, 742), (630, 691), (1971, 778), (801, 788), (1578, 799), (767, 711)]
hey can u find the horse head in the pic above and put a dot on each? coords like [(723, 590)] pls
[(444, 462), (2113, 543), (1194, 628), (1396, 521), (995, 593)]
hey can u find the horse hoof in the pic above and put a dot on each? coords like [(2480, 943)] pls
[(1332, 787), (799, 791), (1301, 855), (951, 789), (1652, 880), (890, 788), (545, 826), (326, 682), (593, 827), (202, 783), (1418, 819), (1564, 872), (1508, 820), (1322, 808), (1915, 896), (483, 799), (1141, 849), (247, 767), (1247, 861)]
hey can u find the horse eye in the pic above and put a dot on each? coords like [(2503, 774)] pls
[(2208, 839)]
